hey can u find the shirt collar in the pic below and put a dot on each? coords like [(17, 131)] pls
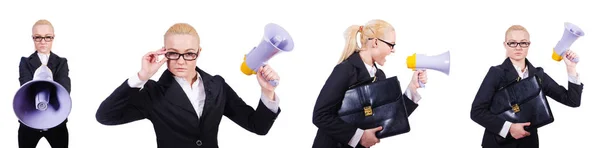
[(524, 73), (371, 69), (184, 82)]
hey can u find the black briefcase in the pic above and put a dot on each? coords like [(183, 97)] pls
[(376, 103), (522, 101)]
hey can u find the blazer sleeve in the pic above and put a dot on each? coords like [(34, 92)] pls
[(325, 115), (62, 77), (126, 104), (257, 121), (25, 73), (480, 109), (410, 105), (570, 97)]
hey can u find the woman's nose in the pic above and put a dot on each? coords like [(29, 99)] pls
[(180, 61), (519, 48)]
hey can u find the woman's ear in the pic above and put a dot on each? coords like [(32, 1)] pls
[(374, 44)]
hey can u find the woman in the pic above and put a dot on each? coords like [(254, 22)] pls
[(514, 66), (357, 64), (43, 37), (186, 104)]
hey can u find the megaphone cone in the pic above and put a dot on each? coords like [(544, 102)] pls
[(275, 40), (439, 62), (571, 34), (42, 103)]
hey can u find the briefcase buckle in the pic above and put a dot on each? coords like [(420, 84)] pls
[(368, 111), (515, 108)]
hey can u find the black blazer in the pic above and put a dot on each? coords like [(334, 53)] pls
[(501, 76), (58, 66), (175, 122), (333, 131)]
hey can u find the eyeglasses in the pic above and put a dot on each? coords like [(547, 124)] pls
[(46, 38), (515, 44), (388, 43), (190, 56)]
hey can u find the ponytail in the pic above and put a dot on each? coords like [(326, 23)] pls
[(351, 42), (374, 29)]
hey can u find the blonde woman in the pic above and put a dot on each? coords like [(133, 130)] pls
[(186, 104), (358, 63), (516, 65), (43, 37)]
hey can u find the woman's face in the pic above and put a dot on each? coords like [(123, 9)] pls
[(182, 65), (517, 44), (383, 47)]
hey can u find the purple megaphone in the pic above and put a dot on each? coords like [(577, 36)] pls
[(571, 33), (275, 40), (42, 103)]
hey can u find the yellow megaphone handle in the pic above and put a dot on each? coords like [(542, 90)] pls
[(245, 69)]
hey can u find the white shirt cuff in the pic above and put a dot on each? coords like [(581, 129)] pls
[(505, 129), (410, 96), (135, 82), (574, 79), (356, 138), (271, 105)]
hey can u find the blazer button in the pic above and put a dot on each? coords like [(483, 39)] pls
[(198, 143)]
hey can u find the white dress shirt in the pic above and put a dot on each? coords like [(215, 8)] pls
[(524, 74), (43, 58), (196, 94), (372, 70)]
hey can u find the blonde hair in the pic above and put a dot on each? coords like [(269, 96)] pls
[(184, 29), (43, 22), (373, 29), (515, 28)]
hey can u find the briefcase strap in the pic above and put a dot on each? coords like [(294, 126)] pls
[(364, 82)]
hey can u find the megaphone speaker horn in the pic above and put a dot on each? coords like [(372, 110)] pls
[(439, 62), (42, 103)]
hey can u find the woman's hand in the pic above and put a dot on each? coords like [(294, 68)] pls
[(264, 75), (418, 76), (568, 58), (150, 64)]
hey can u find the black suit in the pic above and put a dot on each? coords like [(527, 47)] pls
[(502, 75), (333, 131), (175, 121), (58, 137)]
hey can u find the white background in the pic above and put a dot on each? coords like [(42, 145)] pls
[(104, 42)]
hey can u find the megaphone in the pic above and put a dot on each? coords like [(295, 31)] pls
[(275, 40), (572, 32), (42, 103), (439, 62)]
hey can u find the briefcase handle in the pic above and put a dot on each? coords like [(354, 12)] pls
[(363, 82)]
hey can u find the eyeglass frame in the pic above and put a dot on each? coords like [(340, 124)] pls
[(45, 38), (388, 43), (518, 44), (179, 55)]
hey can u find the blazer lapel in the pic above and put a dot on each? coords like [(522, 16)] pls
[(34, 61), (531, 69), (362, 72), (211, 90), (52, 62), (511, 72), (175, 94)]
